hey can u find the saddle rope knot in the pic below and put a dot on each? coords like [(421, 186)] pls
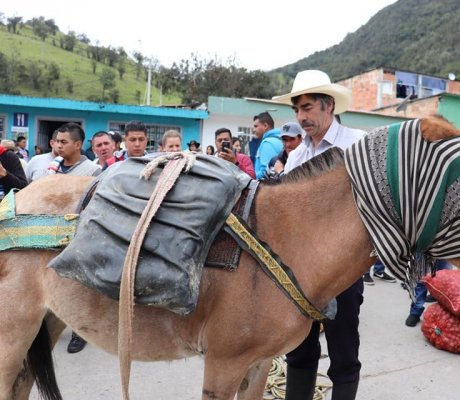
[(148, 170)]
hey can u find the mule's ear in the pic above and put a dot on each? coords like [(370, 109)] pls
[(437, 128)]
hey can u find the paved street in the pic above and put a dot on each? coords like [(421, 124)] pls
[(398, 363)]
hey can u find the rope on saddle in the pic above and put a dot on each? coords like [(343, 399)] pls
[(175, 163)]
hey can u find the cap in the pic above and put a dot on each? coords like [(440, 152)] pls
[(291, 129)]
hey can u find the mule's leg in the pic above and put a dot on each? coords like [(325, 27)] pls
[(222, 377), (436, 128), (21, 316), (253, 385)]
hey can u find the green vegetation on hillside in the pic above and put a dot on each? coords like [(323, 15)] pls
[(414, 35), (37, 59), (35, 67)]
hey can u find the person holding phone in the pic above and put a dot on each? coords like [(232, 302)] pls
[(224, 149)]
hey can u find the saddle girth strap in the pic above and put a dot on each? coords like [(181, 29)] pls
[(276, 270)]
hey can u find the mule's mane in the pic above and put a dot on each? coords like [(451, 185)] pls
[(330, 159)]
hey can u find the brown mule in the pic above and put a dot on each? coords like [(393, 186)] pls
[(312, 224)]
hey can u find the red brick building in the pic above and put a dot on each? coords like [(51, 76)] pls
[(399, 93)]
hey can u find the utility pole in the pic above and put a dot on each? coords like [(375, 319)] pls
[(149, 83)]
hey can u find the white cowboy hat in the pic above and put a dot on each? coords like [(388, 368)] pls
[(314, 81)]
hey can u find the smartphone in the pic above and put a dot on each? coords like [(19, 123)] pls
[(225, 145)]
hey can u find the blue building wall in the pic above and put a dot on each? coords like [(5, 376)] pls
[(92, 116)]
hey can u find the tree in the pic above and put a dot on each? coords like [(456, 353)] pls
[(53, 28), (83, 38), (13, 24), (111, 56), (94, 66), (35, 75), (121, 67), (69, 41), (107, 80), (139, 63), (40, 27)]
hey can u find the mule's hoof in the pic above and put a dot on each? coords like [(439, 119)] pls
[(76, 344)]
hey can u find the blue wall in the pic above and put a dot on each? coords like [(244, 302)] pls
[(94, 116)]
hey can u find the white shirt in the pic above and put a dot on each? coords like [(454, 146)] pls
[(336, 136), (38, 166)]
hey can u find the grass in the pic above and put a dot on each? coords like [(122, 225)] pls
[(75, 66)]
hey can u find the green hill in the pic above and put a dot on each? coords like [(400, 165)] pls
[(413, 35), (32, 67)]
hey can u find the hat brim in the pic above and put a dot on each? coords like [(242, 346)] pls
[(341, 95)]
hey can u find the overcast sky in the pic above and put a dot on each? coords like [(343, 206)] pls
[(256, 34)]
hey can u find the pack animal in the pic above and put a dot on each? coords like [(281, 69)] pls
[(311, 222)]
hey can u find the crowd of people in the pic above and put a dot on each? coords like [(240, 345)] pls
[(317, 104)]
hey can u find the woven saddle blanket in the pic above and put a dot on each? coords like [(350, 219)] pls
[(407, 191), (174, 249)]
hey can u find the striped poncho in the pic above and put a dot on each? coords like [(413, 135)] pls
[(407, 191)]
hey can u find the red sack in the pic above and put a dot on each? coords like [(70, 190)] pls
[(445, 288), (441, 328)]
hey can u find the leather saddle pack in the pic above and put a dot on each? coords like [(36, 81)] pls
[(177, 242)]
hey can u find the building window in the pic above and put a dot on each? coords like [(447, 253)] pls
[(2, 126), (387, 87), (245, 135), (415, 85), (154, 133)]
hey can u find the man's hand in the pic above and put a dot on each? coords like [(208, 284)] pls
[(3, 171), (228, 154), (278, 167)]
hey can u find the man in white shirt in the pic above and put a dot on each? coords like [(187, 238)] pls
[(316, 101), (37, 167)]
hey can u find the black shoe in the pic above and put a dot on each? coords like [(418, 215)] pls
[(384, 277), (367, 279), (76, 344), (412, 320), (430, 299)]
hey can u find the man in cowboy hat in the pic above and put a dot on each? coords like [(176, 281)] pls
[(315, 101), (193, 145)]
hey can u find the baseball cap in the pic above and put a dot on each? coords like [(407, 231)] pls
[(291, 129)]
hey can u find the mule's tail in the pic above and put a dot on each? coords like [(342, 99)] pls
[(40, 364)]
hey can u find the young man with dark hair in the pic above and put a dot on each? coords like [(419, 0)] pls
[(270, 144), (69, 141), (135, 142), (224, 135), (22, 152)]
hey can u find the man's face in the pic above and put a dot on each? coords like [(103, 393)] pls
[(259, 128), (313, 116), (103, 146), (223, 137), (22, 144), (66, 147), (290, 143), (172, 144), (136, 143)]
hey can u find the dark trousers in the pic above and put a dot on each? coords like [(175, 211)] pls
[(342, 338)]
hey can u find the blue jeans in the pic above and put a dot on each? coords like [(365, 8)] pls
[(417, 308), (379, 267)]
